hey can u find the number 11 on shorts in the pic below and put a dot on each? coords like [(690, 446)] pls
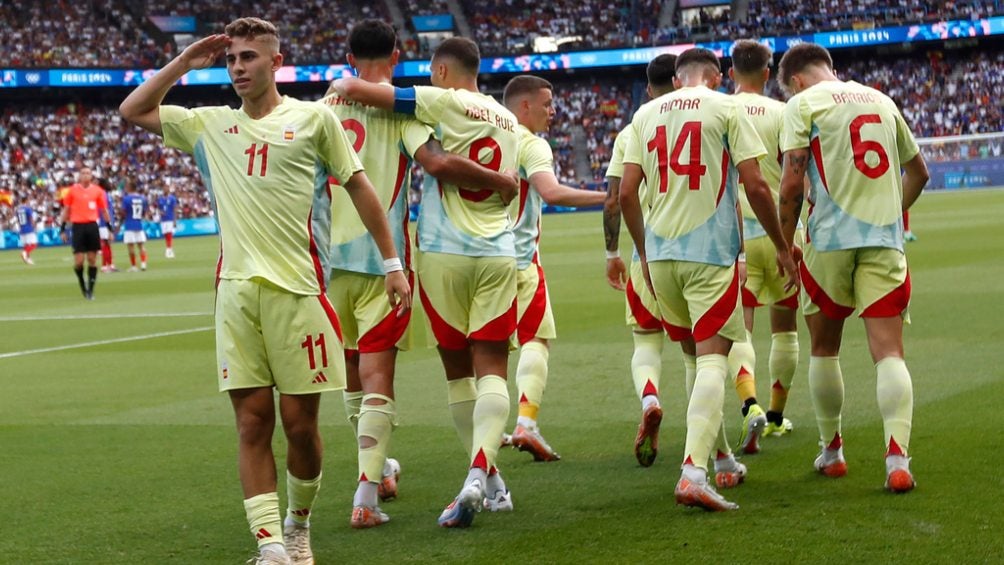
[(309, 343)]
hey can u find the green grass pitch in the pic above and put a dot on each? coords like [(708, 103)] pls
[(116, 448)]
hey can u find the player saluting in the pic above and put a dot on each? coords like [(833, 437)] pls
[(684, 143), (530, 98), (467, 258), (852, 142), (267, 165), (386, 143)]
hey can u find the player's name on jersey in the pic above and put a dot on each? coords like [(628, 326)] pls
[(854, 98), (756, 110), (339, 101), (486, 115), (680, 104)]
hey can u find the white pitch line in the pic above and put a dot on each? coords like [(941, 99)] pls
[(102, 342), (102, 316)]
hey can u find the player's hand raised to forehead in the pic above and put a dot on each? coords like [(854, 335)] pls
[(205, 51)]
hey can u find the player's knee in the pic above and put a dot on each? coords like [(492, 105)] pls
[(255, 428)]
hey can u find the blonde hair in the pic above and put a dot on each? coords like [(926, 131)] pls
[(253, 28)]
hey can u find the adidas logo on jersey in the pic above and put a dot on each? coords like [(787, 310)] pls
[(232, 130), (319, 379)]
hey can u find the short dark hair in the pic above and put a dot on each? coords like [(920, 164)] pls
[(463, 51), (749, 56), (698, 56), (372, 39), (661, 71), (803, 55), (523, 85)]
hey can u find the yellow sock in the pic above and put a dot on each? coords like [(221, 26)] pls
[(704, 412), (895, 399), (531, 378), (826, 387), (376, 421), (462, 394), (690, 373), (490, 414), (353, 401), (783, 362), (263, 516), (742, 365), (302, 495), (646, 363)]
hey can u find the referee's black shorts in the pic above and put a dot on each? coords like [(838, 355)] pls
[(86, 238)]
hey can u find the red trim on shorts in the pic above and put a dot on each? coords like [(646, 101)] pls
[(446, 335), (791, 302), (725, 176), (892, 304), (385, 335), (528, 325), (646, 320), (817, 156), (749, 299), (318, 270), (351, 354), (332, 315), (715, 318), (677, 333), (499, 329), (819, 297)]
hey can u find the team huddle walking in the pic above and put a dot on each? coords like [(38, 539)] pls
[(316, 273)]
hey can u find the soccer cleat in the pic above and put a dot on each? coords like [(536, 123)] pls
[(387, 489), (753, 427), (831, 463), (773, 429), (691, 493), (270, 558), (646, 444), (365, 517), (460, 512), (898, 477), (133, 269), (297, 540), (530, 440), (501, 501), (506, 440), (729, 473), (26, 258), (169, 253), (142, 266), (909, 236)]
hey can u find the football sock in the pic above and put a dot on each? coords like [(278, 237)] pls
[(826, 387), (79, 271), (106, 253), (376, 421), (704, 411), (92, 278), (491, 410), (353, 403), (742, 363), (531, 378), (690, 373), (263, 517), (132, 258), (646, 363), (142, 255), (783, 362), (302, 495), (895, 399), (462, 394)]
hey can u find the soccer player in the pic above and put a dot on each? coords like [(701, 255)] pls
[(530, 99), (763, 285), (267, 165), (107, 236), (684, 143), (466, 260), (166, 205), (372, 332), (852, 142), (82, 205), (134, 207), (26, 229)]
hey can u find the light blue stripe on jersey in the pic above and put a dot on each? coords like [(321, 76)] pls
[(436, 234), (753, 229), (320, 220), (527, 229), (199, 153)]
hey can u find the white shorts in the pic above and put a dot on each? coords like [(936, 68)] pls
[(29, 239), (167, 226), (103, 232), (134, 236)]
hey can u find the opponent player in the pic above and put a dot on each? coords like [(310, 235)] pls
[(166, 206), (134, 210), (26, 229), (750, 62), (107, 235), (466, 260), (690, 244), (82, 205), (852, 142), (530, 99), (372, 332), (267, 165)]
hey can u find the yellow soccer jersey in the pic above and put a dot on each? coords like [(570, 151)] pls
[(386, 143), (268, 179), (766, 114), (466, 221), (685, 142), (535, 156), (857, 141)]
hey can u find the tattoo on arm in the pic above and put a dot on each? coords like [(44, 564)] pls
[(612, 227), (798, 164)]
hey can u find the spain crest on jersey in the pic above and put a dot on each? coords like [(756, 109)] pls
[(288, 133)]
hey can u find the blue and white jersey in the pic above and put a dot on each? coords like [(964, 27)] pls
[(166, 205), (133, 210), (25, 219)]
